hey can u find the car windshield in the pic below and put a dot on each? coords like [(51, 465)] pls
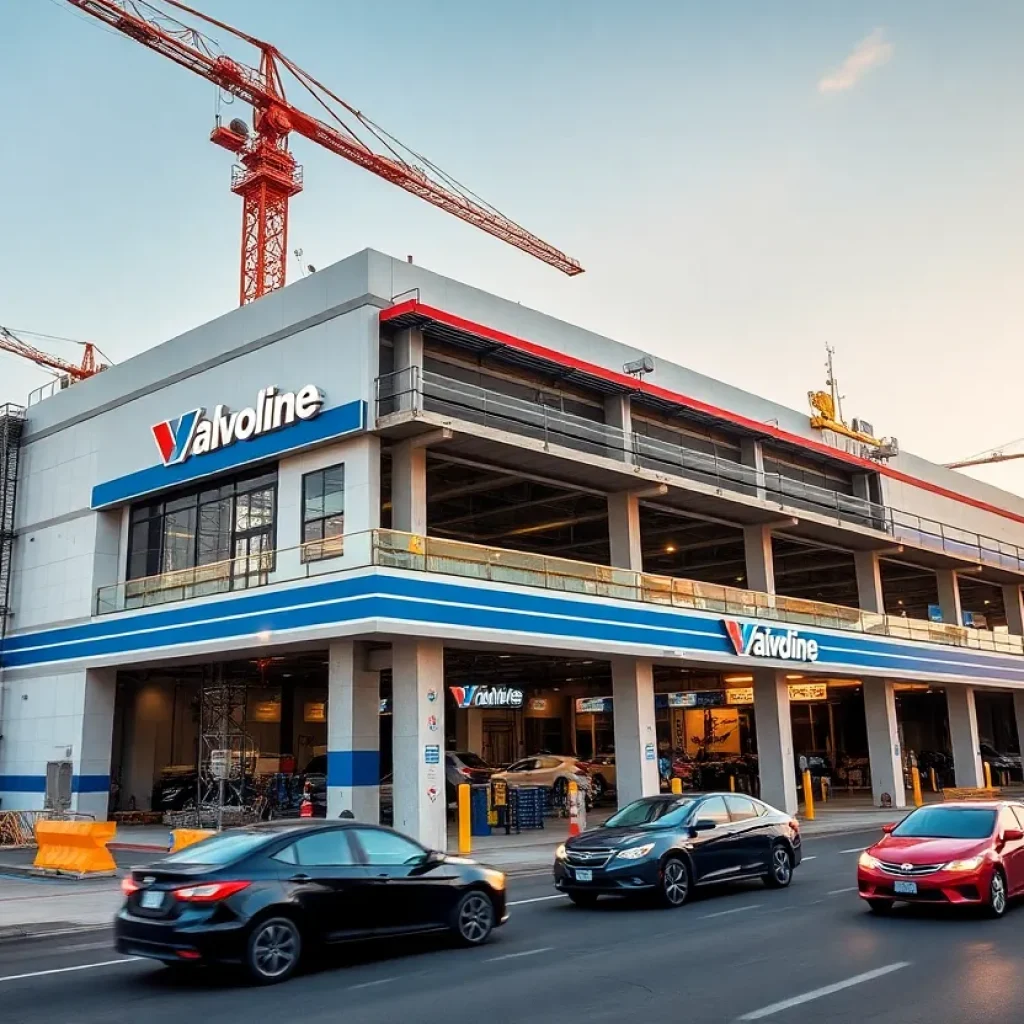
[(948, 823), (471, 760), (649, 812), (222, 849)]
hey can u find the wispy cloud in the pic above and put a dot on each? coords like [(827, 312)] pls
[(869, 53)]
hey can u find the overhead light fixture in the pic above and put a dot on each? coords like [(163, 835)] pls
[(738, 679), (671, 550), (794, 675)]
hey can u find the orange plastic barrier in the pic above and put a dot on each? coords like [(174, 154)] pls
[(75, 847), (182, 837)]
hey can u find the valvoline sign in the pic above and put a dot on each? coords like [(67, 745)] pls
[(487, 696), (194, 433), (751, 639)]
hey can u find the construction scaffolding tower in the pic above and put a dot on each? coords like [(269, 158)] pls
[(12, 423)]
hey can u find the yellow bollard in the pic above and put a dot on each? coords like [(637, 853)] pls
[(808, 796), (76, 848), (732, 783), (676, 785), (465, 822), (934, 780), (182, 837), (988, 775), (915, 781)]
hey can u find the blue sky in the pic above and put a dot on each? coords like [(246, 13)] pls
[(743, 182)]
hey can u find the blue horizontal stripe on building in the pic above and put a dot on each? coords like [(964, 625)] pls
[(37, 783), (353, 767), (440, 600), (330, 424)]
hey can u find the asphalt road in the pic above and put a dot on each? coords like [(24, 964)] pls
[(809, 953)]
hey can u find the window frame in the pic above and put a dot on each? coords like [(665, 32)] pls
[(325, 546), (698, 814), (730, 797), (355, 852)]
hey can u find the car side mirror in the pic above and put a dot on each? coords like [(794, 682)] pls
[(705, 825), (1012, 835), (887, 829)]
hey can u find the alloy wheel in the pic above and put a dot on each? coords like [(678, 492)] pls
[(675, 884), (476, 918), (781, 867), (997, 894), (275, 949)]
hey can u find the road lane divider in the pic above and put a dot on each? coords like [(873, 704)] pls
[(538, 899), (515, 956), (825, 990), (735, 910), (68, 970)]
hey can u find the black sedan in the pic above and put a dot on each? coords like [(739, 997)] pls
[(259, 896), (667, 845)]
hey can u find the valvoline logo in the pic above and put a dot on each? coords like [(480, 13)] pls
[(750, 639), (487, 696), (174, 437)]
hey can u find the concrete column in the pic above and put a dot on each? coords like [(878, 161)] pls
[(752, 456), (776, 764), (636, 740), (353, 734), (862, 486), (409, 356), (469, 730), (409, 488), (949, 596), (618, 413), (624, 531), (92, 765), (418, 740), (869, 581), (150, 719), (757, 547), (1014, 608), (884, 742), (963, 732), (1018, 714)]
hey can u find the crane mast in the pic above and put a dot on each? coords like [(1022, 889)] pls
[(268, 175)]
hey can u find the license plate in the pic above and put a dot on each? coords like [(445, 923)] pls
[(909, 888), (151, 900), (584, 875)]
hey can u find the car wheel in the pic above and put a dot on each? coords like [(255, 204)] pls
[(473, 918), (674, 887), (997, 897), (583, 899), (600, 788), (273, 951), (781, 873), (880, 907)]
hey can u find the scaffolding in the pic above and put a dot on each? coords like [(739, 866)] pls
[(12, 423)]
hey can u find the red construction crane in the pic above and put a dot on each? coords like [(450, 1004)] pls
[(268, 175), (11, 342)]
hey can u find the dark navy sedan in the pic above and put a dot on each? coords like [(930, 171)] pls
[(665, 846)]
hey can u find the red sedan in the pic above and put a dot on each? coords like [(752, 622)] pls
[(962, 853)]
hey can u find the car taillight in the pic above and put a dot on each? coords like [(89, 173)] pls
[(211, 892), (468, 772), (129, 885)]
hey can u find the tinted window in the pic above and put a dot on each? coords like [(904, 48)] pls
[(646, 812), (471, 760), (740, 808), (383, 847), (948, 823), (549, 762), (222, 849), (713, 809), (522, 766), (321, 849)]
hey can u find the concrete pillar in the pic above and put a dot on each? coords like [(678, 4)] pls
[(409, 488), (418, 741), (752, 456), (949, 596), (757, 548), (618, 413), (150, 718), (884, 742), (869, 581), (92, 763), (776, 764), (963, 733), (469, 730), (409, 357), (1014, 608), (1018, 714), (353, 734), (636, 739), (862, 486), (624, 531)]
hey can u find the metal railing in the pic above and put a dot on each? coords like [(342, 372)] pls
[(412, 389), (415, 553)]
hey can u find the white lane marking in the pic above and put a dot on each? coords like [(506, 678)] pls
[(66, 970), (827, 990), (538, 899), (370, 984), (735, 910), (836, 892), (806, 859), (513, 956), (856, 849)]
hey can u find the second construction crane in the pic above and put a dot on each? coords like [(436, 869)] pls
[(268, 175)]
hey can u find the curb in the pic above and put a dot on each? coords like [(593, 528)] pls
[(55, 929)]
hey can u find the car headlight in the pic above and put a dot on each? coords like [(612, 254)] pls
[(869, 862), (635, 852), (970, 864), (560, 851), (496, 879)]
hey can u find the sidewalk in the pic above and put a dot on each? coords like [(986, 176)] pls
[(36, 906)]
